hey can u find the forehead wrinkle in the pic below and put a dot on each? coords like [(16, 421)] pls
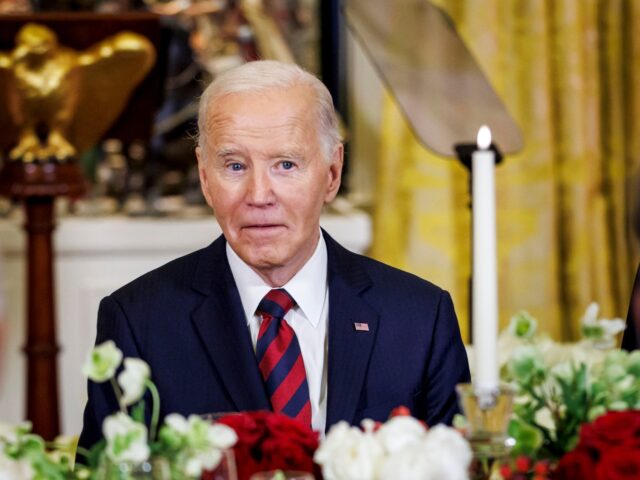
[(220, 119), (227, 127)]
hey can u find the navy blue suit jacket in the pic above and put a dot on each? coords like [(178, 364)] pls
[(186, 320)]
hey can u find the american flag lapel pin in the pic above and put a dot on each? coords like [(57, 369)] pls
[(361, 327)]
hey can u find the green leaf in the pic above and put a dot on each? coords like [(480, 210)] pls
[(95, 453), (137, 412), (527, 437)]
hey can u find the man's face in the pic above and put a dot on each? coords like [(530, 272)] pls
[(266, 179)]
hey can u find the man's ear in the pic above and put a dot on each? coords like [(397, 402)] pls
[(204, 179), (335, 173)]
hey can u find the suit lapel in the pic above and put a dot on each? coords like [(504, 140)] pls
[(349, 349), (220, 323), (223, 331)]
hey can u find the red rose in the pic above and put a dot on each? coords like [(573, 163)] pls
[(576, 464), (286, 455), (281, 426), (249, 428), (611, 430), (270, 441), (619, 464)]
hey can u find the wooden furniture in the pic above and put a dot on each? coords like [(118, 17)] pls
[(36, 185)]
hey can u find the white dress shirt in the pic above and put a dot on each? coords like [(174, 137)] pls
[(308, 318)]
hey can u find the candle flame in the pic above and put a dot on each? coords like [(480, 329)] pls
[(484, 137)]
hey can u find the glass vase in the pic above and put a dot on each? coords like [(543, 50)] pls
[(152, 469), (281, 475), (488, 420), (226, 470)]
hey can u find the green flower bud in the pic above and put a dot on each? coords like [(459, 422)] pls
[(523, 325)]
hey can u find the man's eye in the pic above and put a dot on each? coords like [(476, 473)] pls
[(235, 166), (287, 165)]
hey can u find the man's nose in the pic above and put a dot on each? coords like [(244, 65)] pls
[(260, 190)]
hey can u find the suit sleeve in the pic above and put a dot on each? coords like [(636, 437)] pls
[(112, 325), (447, 366)]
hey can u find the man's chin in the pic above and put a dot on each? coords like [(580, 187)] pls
[(260, 256)]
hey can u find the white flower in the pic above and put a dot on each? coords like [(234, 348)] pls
[(8, 434), (544, 418), (11, 469), (447, 453), (102, 362), (210, 459), (527, 364), (555, 353), (205, 435), (348, 453), (601, 332), (132, 380), (193, 467), (177, 423), (586, 352), (221, 436), (126, 439), (409, 463), (591, 314), (204, 441), (205, 460), (400, 432), (402, 448), (523, 325), (199, 433)]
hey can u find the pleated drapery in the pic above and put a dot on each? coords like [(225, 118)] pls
[(569, 73)]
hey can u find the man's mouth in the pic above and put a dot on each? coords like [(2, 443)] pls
[(264, 225), (265, 228)]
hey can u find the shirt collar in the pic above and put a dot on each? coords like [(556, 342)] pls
[(308, 287)]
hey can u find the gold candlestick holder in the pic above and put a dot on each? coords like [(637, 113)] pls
[(488, 414)]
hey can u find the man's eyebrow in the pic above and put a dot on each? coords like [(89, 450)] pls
[(288, 154), (226, 151)]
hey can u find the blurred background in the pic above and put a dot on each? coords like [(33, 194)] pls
[(566, 74)]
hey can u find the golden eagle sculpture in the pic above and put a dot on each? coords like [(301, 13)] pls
[(59, 101)]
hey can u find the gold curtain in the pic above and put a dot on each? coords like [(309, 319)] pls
[(569, 72)]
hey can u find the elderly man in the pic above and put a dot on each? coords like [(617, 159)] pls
[(275, 314)]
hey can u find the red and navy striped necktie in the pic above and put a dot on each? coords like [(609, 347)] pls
[(280, 360)]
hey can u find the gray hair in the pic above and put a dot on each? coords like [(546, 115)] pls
[(264, 74)]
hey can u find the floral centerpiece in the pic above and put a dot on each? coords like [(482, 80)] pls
[(24, 455), (402, 447), (192, 447), (188, 445), (561, 387), (576, 415)]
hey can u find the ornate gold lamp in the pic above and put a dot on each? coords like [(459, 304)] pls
[(59, 102)]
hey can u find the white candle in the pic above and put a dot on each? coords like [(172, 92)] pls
[(484, 285)]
